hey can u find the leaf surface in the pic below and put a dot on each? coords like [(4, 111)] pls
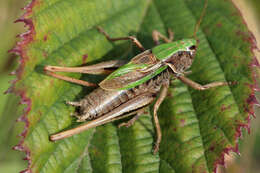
[(198, 127)]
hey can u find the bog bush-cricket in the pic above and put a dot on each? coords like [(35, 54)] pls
[(128, 90)]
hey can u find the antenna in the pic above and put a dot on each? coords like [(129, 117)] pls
[(199, 21)]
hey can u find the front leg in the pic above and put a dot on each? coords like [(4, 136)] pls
[(198, 86), (157, 36), (132, 38), (157, 104)]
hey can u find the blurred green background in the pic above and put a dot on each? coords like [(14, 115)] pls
[(12, 161)]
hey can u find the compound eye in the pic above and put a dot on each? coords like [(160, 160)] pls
[(193, 47)]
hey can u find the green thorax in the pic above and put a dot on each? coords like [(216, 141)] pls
[(163, 51)]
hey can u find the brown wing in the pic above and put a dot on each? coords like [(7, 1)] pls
[(144, 58), (135, 70)]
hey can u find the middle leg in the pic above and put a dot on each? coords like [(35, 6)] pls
[(100, 68), (157, 104), (132, 120)]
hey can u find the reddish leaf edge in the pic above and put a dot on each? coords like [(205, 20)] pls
[(250, 101), (20, 50), (28, 37)]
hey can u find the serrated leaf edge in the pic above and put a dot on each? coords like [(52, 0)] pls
[(251, 100), (19, 49)]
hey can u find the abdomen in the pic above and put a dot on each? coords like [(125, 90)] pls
[(101, 101)]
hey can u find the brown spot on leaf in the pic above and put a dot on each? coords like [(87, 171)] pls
[(179, 111), (182, 122), (84, 58), (45, 38), (212, 148), (169, 94), (248, 37), (224, 107), (219, 25), (45, 54)]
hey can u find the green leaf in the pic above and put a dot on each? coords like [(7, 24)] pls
[(198, 127)]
